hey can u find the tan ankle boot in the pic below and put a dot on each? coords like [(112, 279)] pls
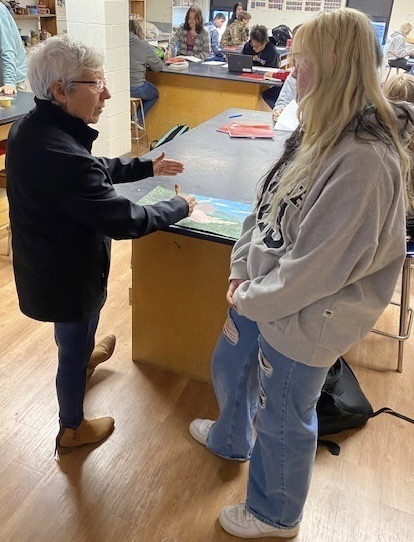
[(88, 432), (102, 352)]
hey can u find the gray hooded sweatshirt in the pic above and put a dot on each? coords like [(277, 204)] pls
[(318, 278)]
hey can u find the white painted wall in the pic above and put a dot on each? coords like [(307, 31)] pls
[(159, 10), (402, 12), (103, 24)]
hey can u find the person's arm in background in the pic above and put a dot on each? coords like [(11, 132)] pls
[(274, 58), (214, 38), (205, 44), (152, 60), (287, 94), (173, 42), (225, 38), (238, 34), (398, 47), (7, 52)]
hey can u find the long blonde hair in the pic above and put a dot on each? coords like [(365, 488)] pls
[(344, 50)]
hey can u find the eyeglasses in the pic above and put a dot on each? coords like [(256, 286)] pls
[(99, 84), (257, 45)]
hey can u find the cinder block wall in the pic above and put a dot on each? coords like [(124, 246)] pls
[(103, 24)]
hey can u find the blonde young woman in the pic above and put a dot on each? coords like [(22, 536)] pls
[(315, 266)]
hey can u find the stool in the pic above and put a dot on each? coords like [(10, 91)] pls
[(406, 312), (389, 68), (139, 127)]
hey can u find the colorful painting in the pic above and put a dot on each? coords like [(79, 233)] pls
[(219, 216)]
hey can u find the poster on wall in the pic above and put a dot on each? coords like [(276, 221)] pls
[(294, 5)]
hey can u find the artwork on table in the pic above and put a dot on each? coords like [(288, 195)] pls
[(212, 215)]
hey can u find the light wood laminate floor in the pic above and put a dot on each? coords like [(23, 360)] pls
[(150, 481)]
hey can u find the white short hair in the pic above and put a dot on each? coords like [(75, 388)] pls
[(60, 59)]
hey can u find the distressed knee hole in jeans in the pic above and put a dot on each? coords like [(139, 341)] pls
[(230, 330), (266, 369)]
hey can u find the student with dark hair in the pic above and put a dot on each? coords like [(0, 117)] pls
[(213, 27), (237, 9), (190, 38), (264, 53)]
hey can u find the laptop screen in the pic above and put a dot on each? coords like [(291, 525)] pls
[(239, 63)]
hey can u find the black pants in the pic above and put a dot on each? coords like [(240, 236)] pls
[(270, 95), (400, 63)]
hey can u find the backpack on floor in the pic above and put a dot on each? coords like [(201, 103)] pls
[(175, 131), (343, 405)]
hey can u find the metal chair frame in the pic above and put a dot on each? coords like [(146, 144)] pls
[(406, 312), (389, 68)]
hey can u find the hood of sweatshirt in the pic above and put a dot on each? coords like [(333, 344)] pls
[(405, 115)]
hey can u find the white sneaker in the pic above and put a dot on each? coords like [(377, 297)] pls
[(238, 521), (199, 429)]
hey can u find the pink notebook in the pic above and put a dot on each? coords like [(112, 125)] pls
[(236, 129)]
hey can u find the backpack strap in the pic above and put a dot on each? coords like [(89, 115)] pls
[(332, 446), (389, 410)]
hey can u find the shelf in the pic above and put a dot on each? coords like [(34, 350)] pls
[(32, 17)]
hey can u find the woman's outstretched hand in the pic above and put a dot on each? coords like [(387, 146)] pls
[(165, 166), (192, 202)]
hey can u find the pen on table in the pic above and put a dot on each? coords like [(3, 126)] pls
[(234, 116)]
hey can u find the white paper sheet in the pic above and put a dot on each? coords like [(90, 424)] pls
[(214, 62), (288, 120)]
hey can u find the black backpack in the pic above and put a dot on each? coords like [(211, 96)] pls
[(343, 405), (281, 34)]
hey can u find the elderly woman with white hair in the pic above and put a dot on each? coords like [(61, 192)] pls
[(315, 266), (63, 212)]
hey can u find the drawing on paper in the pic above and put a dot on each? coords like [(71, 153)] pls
[(213, 215)]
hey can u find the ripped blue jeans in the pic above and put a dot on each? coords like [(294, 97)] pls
[(254, 382)]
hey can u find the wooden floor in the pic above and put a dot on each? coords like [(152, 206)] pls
[(150, 481)]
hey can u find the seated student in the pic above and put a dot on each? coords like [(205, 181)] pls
[(277, 98), (401, 89), (395, 49), (237, 9), (236, 33), (213, 27), (141, 55), (190, 38), (287, 94), (264, 53)]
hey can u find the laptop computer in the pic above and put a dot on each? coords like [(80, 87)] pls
[(240, 63)]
